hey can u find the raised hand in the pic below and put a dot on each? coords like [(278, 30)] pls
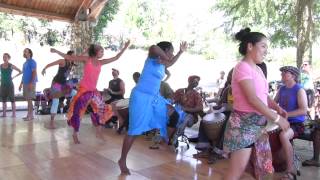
[(183, 46), (43, 72)]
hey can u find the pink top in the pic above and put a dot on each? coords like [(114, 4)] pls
[(243, 71), (90, 76)]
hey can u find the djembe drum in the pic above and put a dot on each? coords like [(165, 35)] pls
[(122, 106), (213, 124), (278, 158)]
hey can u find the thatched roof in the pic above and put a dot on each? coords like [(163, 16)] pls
[(65, 10)]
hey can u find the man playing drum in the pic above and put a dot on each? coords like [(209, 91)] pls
[(190, 100), (292, 98), (116, 91)]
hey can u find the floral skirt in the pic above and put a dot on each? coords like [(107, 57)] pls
[(245, 130)]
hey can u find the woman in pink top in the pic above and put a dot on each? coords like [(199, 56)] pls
[(87, 93), (244, 131)]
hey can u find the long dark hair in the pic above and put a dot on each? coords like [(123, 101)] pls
[(245, 36)]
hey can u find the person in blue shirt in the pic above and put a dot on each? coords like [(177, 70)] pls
[(29, 80), (293, 99)]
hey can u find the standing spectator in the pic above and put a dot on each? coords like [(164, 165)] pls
[(29, 80), (307, 84), (220, 82), (7, 87)]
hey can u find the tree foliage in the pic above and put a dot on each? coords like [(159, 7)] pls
[(286, 22), (107, 15)]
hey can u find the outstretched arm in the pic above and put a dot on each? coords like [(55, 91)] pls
[(58, 62), (69, 57), (17, 69), (109, 60), (183, 47)]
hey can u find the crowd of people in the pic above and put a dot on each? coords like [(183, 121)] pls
[(242, 97)]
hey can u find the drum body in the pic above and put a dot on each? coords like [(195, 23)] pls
[(122, 106), (213, 124), (278, 157), (122, 103)]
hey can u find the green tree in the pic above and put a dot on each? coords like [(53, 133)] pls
[(107, 14), (289, 23)]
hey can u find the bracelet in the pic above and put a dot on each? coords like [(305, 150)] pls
[(277, 119)]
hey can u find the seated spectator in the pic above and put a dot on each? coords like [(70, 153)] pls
[(190, 100), (292, 98), (224, 105), (116, 90)]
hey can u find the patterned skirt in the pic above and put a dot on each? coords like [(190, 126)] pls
[(101, 112), (245, 130), (58, 90)]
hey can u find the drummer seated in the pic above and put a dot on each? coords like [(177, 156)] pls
[(224, 105), (189, 99), (292, 98)]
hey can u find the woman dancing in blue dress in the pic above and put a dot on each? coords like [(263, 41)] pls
[(148, 109)]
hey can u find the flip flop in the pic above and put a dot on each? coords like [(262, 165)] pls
[(311, 162)]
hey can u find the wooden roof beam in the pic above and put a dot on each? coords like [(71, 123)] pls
[(83, 7), (96, 8), (34, 13)]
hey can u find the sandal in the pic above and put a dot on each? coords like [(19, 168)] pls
[(154, 146), (311, 162), (202, 154), (289, 175)]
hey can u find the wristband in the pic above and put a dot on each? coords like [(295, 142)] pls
[(277, 119)]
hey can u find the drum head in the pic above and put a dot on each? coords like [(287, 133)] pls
[(214, 117), (122, 103), (271, 126)]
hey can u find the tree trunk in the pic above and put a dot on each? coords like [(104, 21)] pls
[(304, 29), (81, 38)]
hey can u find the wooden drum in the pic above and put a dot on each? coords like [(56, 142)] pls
[(122, 106), (213, 124), (278, 158)]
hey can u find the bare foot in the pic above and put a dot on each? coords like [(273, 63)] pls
[(28, 118), (51, 126), (99, 133), (75, 139), (123, 168)]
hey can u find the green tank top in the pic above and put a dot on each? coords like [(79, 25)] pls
[(6, 78)]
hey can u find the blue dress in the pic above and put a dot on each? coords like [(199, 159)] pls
[(147, 108)]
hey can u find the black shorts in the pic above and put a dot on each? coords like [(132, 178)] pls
[(7, 92), (298, 129)]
